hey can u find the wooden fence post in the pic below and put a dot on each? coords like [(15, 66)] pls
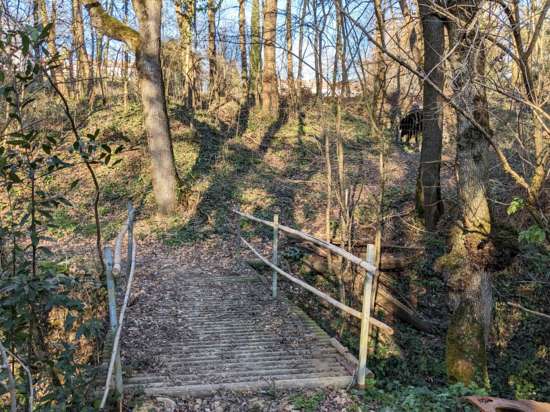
[(365, 319), (275, 259), (108, 256), (239, 243)]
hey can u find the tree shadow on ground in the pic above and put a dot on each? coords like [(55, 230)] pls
[(225, 163)]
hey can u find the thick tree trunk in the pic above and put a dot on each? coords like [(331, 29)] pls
[(83, 69), (428, 189), (146, 44), (468, 281), (270, 94), (163, 169)]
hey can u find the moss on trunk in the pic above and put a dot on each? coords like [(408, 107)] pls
[(466, 357)]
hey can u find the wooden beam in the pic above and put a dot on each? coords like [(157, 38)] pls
[(317, 292), (334, 249)]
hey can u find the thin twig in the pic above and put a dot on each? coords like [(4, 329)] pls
[(88, 166), (534, 312)]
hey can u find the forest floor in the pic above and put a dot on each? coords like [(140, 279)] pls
[(235, 158)]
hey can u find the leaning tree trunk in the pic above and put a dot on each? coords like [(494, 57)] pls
[(466, 265), (146, 45), (270, 94), (428, 188)]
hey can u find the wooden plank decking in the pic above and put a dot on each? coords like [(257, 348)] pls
[(194, 333)]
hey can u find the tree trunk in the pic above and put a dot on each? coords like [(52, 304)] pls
[(412, 35), (164, 176), (270, 94), (146, 44), (83, 70), (242, 41), (428, 188), (125, 63), (468, 281), (255, 51), (379, 86), (301, 48), (337, 50), (57, 70), (317, 50), (185, 15), (289, 65), (212, 49)]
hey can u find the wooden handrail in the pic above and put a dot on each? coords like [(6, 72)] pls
[(323, 243), (315, 291), (113, 267), (369, 266)]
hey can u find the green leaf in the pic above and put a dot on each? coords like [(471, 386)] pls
[(515, 206), (47, 148), (534, 235), (51, 138), (25, 41), (73, 184)]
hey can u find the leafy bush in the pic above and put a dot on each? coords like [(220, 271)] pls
[(393, 396), (46, 327)]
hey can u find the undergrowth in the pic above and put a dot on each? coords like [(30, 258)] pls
[(276, 166)]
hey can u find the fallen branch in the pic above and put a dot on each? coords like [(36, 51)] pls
[(534, 312)]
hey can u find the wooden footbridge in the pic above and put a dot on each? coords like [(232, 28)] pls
[(227, 330)]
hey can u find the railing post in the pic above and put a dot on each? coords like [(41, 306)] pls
[(130, 234), (275, 259), (108, 256), (365, 319)]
